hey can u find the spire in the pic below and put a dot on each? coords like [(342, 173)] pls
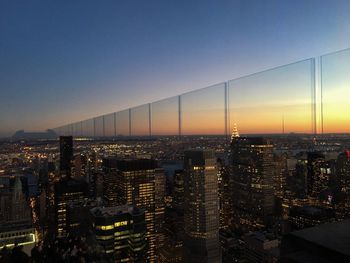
[(235, 133)]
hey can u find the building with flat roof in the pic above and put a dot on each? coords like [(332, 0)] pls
[(121, 232), (323, 243)]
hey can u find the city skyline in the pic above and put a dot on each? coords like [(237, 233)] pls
[(67, 70)]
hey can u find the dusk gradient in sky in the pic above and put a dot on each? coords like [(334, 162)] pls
[(66, 61)]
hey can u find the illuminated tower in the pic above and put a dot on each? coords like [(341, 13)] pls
[(136, 185), (343, 174), (252, 173), (201, 215), (65, 191)]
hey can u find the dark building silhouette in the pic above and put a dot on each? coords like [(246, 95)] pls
[(22, 135), (323, 243), (121, 232), (66, 154), (201, 215), (252, 173)]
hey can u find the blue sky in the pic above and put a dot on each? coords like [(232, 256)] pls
[(64, 61)]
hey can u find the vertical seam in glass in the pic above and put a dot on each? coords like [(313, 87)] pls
[(225, 109), (313, 97), (115, 124), (130, 122), (150, 119), (179, 110), (103, 127), (94, 122), (321, 94)]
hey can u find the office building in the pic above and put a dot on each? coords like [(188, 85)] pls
[(261, 247), (252, 174), (136, 185), (201, 215), (67, 190), (121, 232)]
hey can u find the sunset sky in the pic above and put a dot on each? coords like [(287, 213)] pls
[(67, 61)]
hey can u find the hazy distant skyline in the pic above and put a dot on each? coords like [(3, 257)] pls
[(64, 61)]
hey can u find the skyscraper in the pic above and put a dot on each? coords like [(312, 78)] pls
[(66, 154), (65, 191), (136, 185), (121, 232), (201, 215), (252, 173)]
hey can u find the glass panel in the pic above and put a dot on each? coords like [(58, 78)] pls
[(203, 111), (336, 92), (140, 120), (99, 127), (77, 129), (69, 130), (122, 123), (274, 101), (165, 117), (88, 128), (109, 125)]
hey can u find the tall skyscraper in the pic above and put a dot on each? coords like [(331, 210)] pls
[(317, 179), (201, 215), (343, 174), (121, 232), (66, 154), (136, 185), (110, 182), (252, 173), (178, 192), (65, 191)]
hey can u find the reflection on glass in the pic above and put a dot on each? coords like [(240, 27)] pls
[(165, 117), (336, 92), (122, 123), (203, 111), (140, 121), (274, 101)]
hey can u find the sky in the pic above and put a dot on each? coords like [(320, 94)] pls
[(66, 61)]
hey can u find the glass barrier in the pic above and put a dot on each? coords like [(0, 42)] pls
[(109, 121), (77, 129), (165, 117), (335, 111), (303, 97), (99, 126), (122, 123), (140, 121), (88, 128), (203, 111), (274, 101)]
